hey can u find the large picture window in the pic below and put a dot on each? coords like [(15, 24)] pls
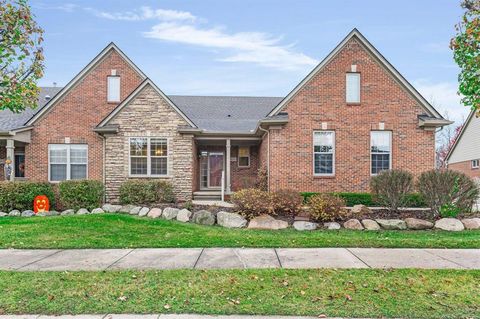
[(148, 156), (67, 161), (381, 151), (324, 153)]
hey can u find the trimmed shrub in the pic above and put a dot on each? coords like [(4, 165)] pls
[(253, 202), (367, 199), (391, 188), (76, 194), (326, 207), (286, 202), (448, 193), (20, 195), (145, 192)]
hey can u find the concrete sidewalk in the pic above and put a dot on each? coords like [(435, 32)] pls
[(236, 258)]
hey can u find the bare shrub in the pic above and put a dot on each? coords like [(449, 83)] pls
[(287, 202), (392, 188)]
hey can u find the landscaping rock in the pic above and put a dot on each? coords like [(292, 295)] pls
[(126, 209), (155, 213), (418, 224), (203, 217), (28, 213), (360, 209), (471, 223), (170, 213), (14, 213), (450, 224), (370, 224), (184, 215), (231, 220), (52, 213), (2, 214), (267, 222), (111, 208), (135, 210), (97, 211), (353, 224), (304, 225), (67, 212), (332, 226), (143, 212), (83, 211), (42, 214), (393, 224)]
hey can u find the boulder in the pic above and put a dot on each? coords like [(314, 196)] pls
[(135, 210), (370, 224), (126, 209), (170, 213), (353, 224), (2, 214), (231, 220), (418, 224), (360, 209), (83, 211), (28, 213), (471, 223), (41, 214), (143, 212), (203, 217), (14, 213), (450, 224), (395, 224), (109, 208), (304, 225), (155, 213), (332, 225), (184, 215), (267, 222), (67, 212), (97, 211)]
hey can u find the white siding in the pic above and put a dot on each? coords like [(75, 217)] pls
[(468, 146)]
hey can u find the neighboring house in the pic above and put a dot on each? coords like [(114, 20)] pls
[(351, 117), (464, 155)]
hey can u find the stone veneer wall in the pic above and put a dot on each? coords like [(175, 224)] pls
[(146, 115)]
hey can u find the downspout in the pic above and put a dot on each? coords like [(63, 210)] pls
[(268, 155)]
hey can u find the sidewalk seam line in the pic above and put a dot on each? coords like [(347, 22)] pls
[(198, 258), (351, 252), (444, 258), (116, 261), (240, 258), (36, 261), (278, 258)]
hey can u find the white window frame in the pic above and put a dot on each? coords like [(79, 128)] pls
[(249, 157), (333, 152), (475, 163), (390, 159), (149, 158), (358, 76), (68, 147), (109, 88)]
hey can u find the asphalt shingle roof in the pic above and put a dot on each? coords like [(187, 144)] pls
[(210, 113), (10, 120)]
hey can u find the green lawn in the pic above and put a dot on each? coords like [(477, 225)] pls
[(121, 231), (355, 293)]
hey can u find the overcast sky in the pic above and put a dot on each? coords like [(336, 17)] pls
[(251, 47)]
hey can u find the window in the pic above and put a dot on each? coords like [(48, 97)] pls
[(353, 88), (113, 89), (243, 156), (67, 161), (475, 163), (324, 153), (380, 149), (148, 156)]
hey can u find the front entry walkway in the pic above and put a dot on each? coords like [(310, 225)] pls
[(236, 258)]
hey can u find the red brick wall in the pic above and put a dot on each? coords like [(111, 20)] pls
[(244, 177), (78, 112), (466, 168), (323, 100)]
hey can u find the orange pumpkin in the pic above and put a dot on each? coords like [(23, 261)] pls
[(41, 204)]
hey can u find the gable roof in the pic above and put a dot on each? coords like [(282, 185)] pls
[(132, 95), (381, 59), (462, 130), (80, 75)]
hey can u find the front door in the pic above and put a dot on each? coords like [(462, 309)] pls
[(215, 168)]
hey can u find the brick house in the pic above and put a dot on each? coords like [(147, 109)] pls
[(351, 117)]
